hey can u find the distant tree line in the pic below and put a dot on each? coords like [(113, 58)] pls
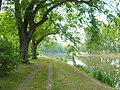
[(56, 48)]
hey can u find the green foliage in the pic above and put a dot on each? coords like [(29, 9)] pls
[(94, 41), (9, 28), (76, 13), (72, 50), (8, 43), (9, 59), (111, 35), (98, 74), (103, 77), (15, 78)]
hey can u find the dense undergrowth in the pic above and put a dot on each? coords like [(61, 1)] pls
[(99, 75), (9, 58)]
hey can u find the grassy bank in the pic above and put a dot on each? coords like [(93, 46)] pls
[(49, 73)]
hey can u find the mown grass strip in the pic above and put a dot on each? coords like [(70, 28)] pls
[(15, 78), (37, 78), (67, 77), (64, 77)]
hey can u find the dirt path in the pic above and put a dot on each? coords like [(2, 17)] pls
[(29, 78), (65, 77), (27, 83), (50, 75)]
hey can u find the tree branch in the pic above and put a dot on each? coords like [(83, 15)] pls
[(39, 40), (80, 1), (45, 18), (18, 14), (40, 5), (28, 14)]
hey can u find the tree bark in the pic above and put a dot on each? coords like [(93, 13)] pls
[(24, 52), (24, 44), (34, 47), (34, 52)]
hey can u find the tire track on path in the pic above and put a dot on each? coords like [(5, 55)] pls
[(31, 76), (50, 76)]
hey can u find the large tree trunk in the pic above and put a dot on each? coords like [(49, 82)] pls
[(22, 32), (34, 49), (34, 52), (34, 46), (24, 44)]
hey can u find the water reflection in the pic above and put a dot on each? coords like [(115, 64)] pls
[(107, 65)]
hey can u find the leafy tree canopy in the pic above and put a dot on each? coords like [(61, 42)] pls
[(32, 15)]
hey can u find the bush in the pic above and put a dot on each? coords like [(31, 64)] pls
[(9, 59)]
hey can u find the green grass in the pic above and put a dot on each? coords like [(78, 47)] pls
[(67, 77), (63, 79), (38, 78), (12, 80), (35, 76)]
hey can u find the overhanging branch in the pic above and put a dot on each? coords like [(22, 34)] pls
[(40, 5), (45, 18), (40, 39)]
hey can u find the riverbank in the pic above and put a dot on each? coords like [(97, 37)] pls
[(50, 74), (110, 55)]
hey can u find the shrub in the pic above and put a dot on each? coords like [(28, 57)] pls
[(9, 59)]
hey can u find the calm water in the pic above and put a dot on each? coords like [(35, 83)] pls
[(106, 65)]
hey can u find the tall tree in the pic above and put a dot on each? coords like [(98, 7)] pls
[(27, 10), (27, 24)]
